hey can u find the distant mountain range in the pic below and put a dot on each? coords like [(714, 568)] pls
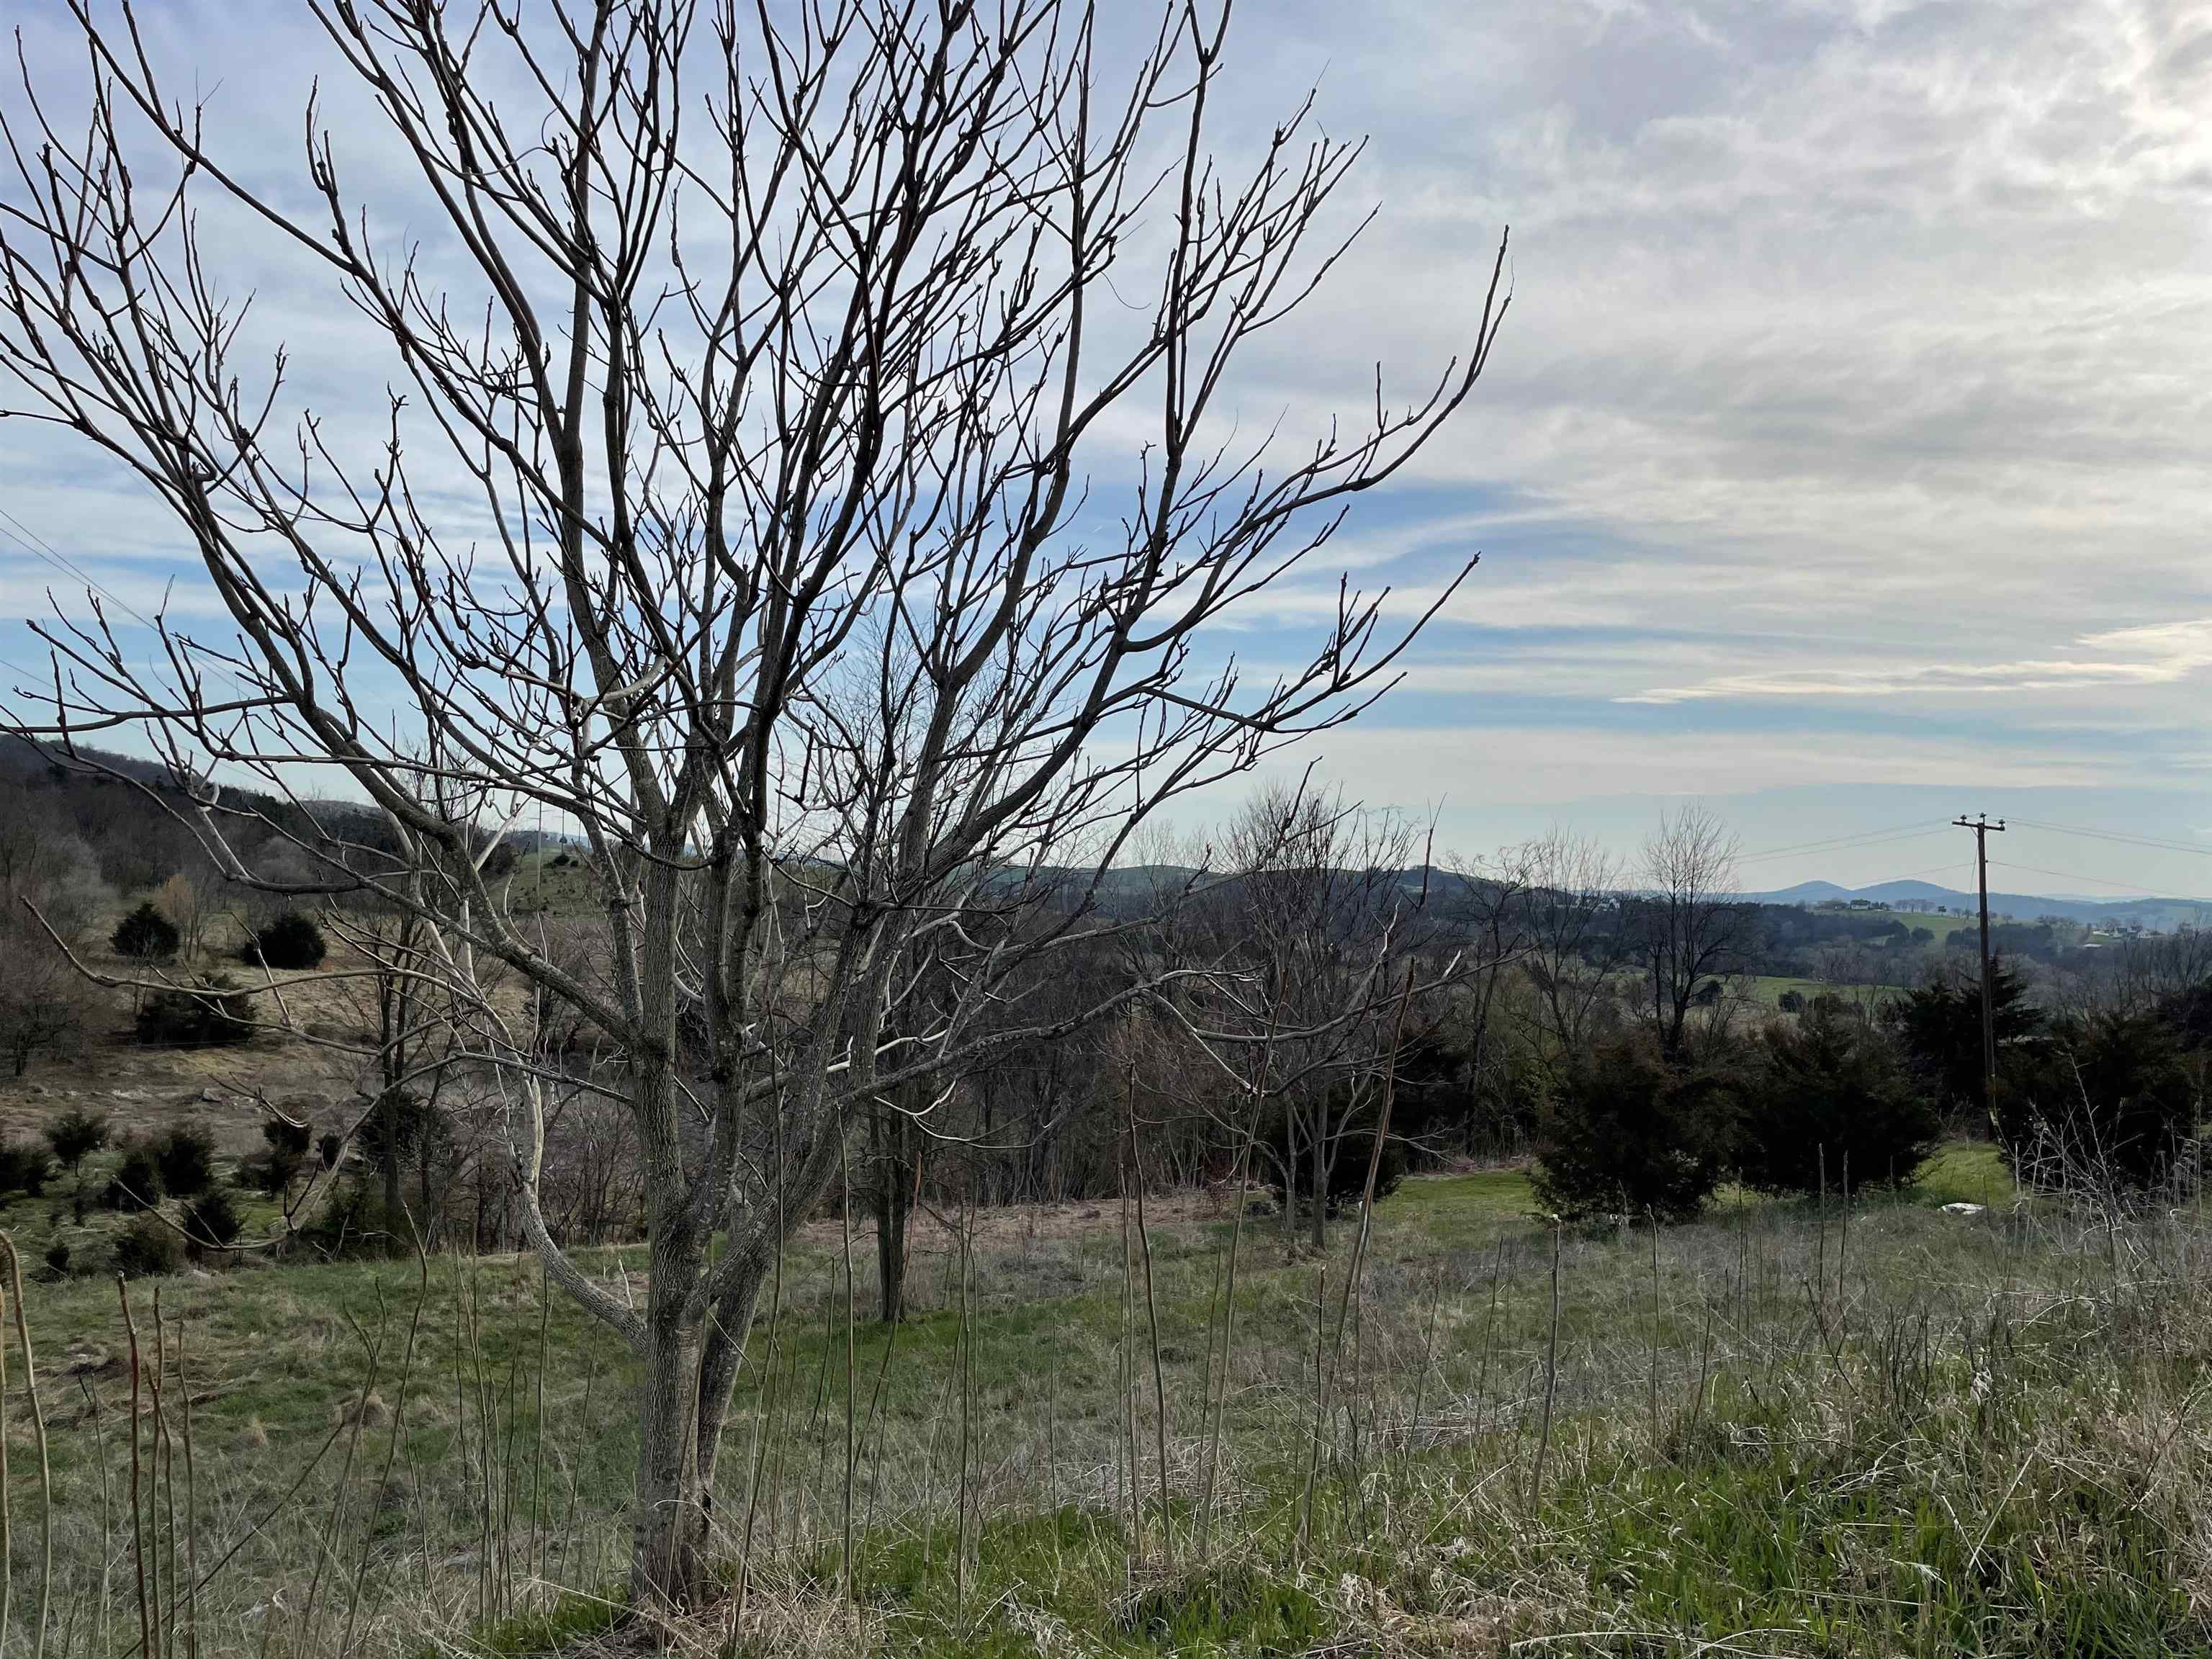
[(2159, 915), (1136, 883)]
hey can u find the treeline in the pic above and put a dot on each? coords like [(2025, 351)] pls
[(76, 839), (1847, 1095), (83, 835), (1343, 1009)]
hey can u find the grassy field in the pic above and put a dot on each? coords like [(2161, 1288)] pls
[(1768, 989), (1782, 1431), (554, 880), (1942, 926)]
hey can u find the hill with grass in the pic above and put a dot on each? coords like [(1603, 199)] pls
[(1972, 1429), (2152, 914)]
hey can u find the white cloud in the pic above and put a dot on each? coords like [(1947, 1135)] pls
[(1475, 767), (1854, 368), (2160, 654)]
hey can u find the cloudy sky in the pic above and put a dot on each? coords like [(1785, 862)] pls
[(1842, 462)]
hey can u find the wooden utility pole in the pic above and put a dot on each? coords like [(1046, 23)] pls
[(1981, 826)]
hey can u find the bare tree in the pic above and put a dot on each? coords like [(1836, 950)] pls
[(2145, 969), (1855, 970), (44, 865), (1577, 941), (1494, 910), (776, 350), (1313, 918), (45, 1006), (184, 899), (389, 991), (1694, 931)]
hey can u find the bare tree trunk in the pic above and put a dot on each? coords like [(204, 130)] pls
[(897, 1170), (691, 1362), (393, 1206), (1317, 1217), (669, 1534)]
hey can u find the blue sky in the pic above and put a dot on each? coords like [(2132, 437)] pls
[(1842, 463)]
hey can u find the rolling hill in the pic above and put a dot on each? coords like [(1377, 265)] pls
[(2159, 914)]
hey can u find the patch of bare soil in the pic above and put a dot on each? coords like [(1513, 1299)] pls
[(148, 1089)]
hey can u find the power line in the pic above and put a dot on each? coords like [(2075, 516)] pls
[(1904, 833), (1831, 840), (2120, 837), (17, 668), (2076, 875), (24, 537), (1844, 843), (44, 550)]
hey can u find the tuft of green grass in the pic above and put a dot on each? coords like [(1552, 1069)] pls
[(1968, 1172), (1238, 1606), (574, 1617), (1869, 1552), (1447, 1210)]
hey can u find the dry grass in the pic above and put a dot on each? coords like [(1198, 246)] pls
[(1772, 1432)]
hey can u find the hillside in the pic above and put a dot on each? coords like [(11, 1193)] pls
[(1968, 1429), (2152, 914)]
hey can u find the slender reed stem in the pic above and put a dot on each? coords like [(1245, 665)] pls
[(192, 1507), (1126, 1381), (967, 1384), (1428, 1354), (1653, 1221), (1324, 1378), (1551, 1375), (1238, 1176), (1321, 1402), (146, 1627), (1152, 1323), (165, 1478), (392, 1447), (7, 1517), (39, 1434), (536, 1557), (852, 1368)]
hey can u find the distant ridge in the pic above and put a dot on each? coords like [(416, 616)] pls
[(1132, 882), (2159, 915)]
